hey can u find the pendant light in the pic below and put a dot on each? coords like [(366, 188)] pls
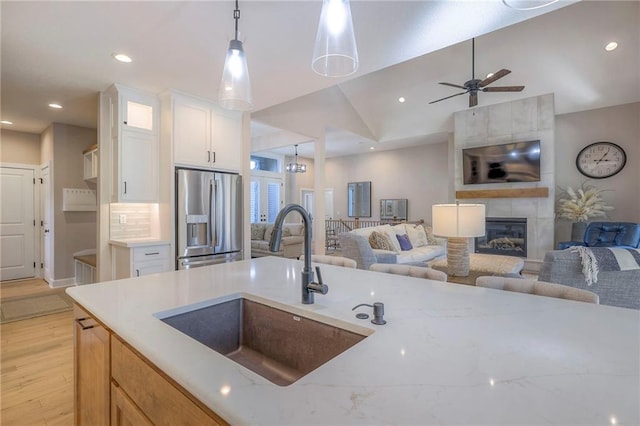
[(335, 53), (235, 88), (296, 167)]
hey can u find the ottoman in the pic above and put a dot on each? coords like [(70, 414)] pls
[(484, 264)]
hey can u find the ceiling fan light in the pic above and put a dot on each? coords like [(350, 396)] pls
[(335, 53)]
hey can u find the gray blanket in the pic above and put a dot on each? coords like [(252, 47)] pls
[(605, 259)]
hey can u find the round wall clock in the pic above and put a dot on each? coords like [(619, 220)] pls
[(601, 160)]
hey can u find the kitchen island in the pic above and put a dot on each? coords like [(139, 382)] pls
[(449, 354)]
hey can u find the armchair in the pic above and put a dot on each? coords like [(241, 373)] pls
[(608, 234)]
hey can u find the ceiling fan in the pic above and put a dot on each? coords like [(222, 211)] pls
[(473, 86)]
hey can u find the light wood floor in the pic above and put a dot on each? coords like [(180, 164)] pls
[(36, 374)]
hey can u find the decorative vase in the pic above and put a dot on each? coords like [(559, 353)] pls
[(577, 231)]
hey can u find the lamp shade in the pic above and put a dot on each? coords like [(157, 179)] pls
[(235, 87), (458, 220), (335, 53)]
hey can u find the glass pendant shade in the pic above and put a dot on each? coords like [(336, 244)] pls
[(235, 87), (335, 53)]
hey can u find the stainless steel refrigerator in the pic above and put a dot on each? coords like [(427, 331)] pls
[(208, 218)]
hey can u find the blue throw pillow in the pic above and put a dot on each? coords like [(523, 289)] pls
[(405, 244)]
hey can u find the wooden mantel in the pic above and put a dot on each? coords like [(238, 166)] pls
[(504, 193)]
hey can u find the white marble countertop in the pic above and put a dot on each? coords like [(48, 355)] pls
[(138, 242), (449, 354)]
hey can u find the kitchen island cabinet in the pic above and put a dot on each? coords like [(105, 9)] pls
[(449, 354)]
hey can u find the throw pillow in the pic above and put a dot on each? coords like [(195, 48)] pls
[(286, 232), (268, 232), (405, 244), (379, 241), (417, 236), (257, 231), (391, 235), (431, 239)]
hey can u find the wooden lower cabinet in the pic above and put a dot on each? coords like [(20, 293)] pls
[(116, 385), (92, 370), (123, 411), (159, 400)]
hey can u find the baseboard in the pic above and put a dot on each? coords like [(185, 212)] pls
[(65, 282)]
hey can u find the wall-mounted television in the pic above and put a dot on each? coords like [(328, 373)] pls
[(510, 162)]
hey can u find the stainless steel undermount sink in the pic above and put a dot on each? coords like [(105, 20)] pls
[(278, 345)]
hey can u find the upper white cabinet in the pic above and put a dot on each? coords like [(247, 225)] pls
[(135, 140), (204, 135)]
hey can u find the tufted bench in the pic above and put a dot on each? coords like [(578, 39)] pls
[(484, 264)]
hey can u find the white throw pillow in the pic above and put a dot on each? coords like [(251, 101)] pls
[(417, 236), (391, 234)]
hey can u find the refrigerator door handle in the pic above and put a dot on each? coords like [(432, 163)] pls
[(213, 214), (210, 218)]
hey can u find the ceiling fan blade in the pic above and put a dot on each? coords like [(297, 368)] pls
[(442, 99), (503, 89), (454, 85), (494, 77), (473, 99)]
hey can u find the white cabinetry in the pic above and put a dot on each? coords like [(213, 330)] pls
[(136, 261), (204, 135), (90, 163), (135, 143)]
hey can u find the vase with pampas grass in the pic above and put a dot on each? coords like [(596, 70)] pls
[(581, 205)]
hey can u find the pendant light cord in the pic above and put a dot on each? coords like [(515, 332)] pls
[(236, 16)]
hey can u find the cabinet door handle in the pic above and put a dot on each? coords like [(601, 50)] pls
[(125, 186), (214, 156), (154, 253), (80, 322), (137, 272), (208, 156)]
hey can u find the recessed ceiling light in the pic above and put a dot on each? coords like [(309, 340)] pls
[(371, 147), (401, 99), (56, 106), (121, 57), (611, 46), (6, 122)]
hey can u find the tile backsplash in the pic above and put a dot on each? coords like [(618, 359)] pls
[(140, 220)]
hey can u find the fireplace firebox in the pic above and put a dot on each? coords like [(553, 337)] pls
[(505, 236)]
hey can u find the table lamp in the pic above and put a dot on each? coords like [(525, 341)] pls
[(458, 222)]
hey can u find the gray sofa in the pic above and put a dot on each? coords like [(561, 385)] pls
[(615, 288), (291, 244), (355, 245)]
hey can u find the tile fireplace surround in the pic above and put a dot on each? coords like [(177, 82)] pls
[(525, 119)]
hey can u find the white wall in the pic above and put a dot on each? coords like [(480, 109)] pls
[(618, 124), (418, 174), (19, 147), (73, 231)]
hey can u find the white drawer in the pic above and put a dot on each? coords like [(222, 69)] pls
[(141, 254)]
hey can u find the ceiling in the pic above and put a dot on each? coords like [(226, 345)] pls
[(55, 51)]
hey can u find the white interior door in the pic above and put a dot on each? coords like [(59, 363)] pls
[(17, 224), (266, 199), (46, 230), (306, 200)]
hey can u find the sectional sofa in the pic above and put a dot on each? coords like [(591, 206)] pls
[(422, 245)]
